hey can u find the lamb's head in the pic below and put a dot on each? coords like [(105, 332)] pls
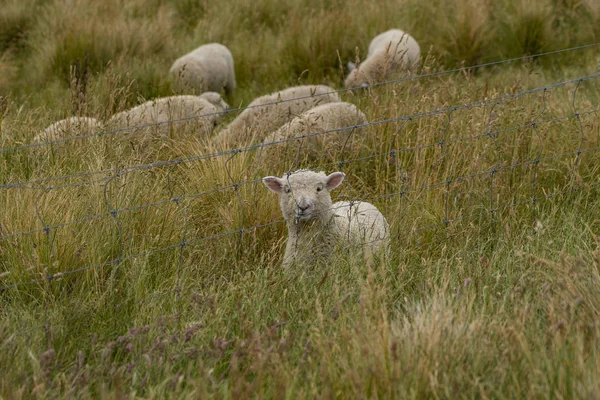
[(356, 78), (304, 195), (215, 99)]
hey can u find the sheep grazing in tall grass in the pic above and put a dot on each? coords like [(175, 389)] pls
[(267, 113), (323, 118), (388, 52), (209, 68), (166, 115), (317, 227), (72, 126)]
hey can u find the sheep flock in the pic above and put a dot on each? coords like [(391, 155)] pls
[(317, 227)]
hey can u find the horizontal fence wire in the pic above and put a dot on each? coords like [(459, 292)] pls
[(156, 295), (57, 276), (283, 101), (228, 153), (492, 171), (393, 152)]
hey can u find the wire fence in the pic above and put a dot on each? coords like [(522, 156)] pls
[(283, 101), (489, 205), (233, 152), (339, 164)]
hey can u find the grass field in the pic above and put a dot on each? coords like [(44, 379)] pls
[(492, 287)]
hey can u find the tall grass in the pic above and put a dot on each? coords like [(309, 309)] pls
[(491, 287)]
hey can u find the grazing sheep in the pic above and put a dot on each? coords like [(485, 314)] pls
[(72, 126), (215, 99), (316, 227), (160, 111), (208, 68), (388, 52), (256, 120), (322, 118)]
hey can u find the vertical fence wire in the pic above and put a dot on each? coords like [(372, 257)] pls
[(181, 208), (49, 265), (536, 161), (120, 246), (236, 186)]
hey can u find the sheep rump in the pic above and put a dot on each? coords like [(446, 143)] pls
[(322, 118), (197, 113), (330, 118), (207, 68), (72, 126)]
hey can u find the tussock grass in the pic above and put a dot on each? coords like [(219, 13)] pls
[(491, 287)]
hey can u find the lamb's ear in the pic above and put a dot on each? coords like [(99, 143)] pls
[(335, 179), (273, 183)]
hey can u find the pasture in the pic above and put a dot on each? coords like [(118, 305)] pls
[(130, 271)]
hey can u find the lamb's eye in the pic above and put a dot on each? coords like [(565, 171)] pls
[(287, 189), (319, 188)]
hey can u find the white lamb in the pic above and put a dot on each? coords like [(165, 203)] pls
[(72, 126), (197, 113), (207, 68), (262, 117), (388, 52), (317, 227)]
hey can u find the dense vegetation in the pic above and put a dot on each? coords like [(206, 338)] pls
[(493, 285)]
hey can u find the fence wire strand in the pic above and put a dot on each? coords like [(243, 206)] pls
[(372, 85), (393, 153), (241, 231), (167, 163)]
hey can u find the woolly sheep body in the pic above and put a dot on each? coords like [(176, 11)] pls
[(256, 120), (208, 68), (321, 118), (72, 126), (316, 226), (162, 110), (388, 52)]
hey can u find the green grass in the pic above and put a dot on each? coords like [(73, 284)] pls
[(502, 301)]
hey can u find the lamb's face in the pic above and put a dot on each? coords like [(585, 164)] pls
[(304, 195)]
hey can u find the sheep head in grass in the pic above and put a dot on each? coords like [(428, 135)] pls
[(304, 195), (316, 225)]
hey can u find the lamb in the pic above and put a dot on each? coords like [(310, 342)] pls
[(322, 118), (72, 126), (157, 113), (316, 226), (256, 120), (207, 68), (388, 52)]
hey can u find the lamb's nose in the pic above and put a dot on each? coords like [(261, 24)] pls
[(303, 208)]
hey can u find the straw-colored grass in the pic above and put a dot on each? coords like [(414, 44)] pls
[(492, 286)]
